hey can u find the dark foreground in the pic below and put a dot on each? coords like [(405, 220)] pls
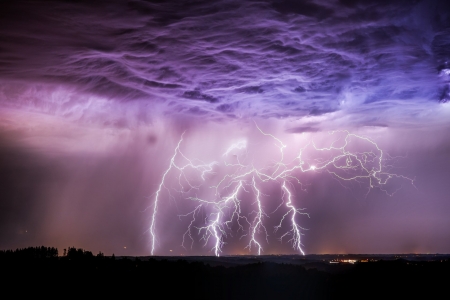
[(41, 272)]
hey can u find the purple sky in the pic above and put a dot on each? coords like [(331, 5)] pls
[(95, 95)]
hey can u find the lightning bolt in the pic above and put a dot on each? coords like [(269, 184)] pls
[(223, 211), (295, 228), (257, 225), (203, 168), (157, 197)]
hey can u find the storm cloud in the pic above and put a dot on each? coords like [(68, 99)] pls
[(95, 95), (235, 59)]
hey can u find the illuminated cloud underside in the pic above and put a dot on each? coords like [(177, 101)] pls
[(382, 64)]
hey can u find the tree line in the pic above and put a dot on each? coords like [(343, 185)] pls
[(42, 252), (30, 253)]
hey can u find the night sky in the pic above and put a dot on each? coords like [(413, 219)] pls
[(95, 96)]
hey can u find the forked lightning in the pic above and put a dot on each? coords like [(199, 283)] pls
[(242, 181)]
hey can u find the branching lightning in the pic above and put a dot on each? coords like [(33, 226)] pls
[(295, 228), (241, 180)]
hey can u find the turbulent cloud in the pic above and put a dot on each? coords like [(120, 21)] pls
[(94, 96), (228, 59)]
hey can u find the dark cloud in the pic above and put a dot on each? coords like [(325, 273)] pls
[(302, 129), (440, 45), (251, 90), (197, 95), (236, 51), (227, 108), (306, 8), (318, 111)]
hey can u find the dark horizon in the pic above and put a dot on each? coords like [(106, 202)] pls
[(83, 275), (392, 255)]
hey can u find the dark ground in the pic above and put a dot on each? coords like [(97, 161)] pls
[(41, 272)]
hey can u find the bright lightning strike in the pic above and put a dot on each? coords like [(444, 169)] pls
[(203, 168), (295, 228), (222, 211)]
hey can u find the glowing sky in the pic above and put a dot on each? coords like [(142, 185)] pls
[(94, 96)]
